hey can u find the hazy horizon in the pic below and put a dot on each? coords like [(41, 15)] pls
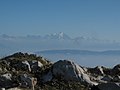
[(97, 19)]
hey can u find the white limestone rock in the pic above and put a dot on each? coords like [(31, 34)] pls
[(68, 70), (26, 65), (7, 76)]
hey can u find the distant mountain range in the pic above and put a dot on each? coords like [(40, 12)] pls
[(81, 52), (60, 35), (59, 41), (57, 36)]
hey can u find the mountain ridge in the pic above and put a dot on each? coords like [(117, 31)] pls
[(60, 35), (84, 52)]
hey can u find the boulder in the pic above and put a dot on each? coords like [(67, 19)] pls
[(70, 71)]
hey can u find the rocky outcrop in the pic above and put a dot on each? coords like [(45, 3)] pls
[(23, 71), (20, 70)]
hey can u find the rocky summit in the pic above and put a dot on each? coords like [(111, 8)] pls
[(23, 71)]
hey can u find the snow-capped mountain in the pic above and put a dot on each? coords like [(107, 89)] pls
[(60, 35)]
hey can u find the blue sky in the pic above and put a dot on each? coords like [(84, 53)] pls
[(94, 18)]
